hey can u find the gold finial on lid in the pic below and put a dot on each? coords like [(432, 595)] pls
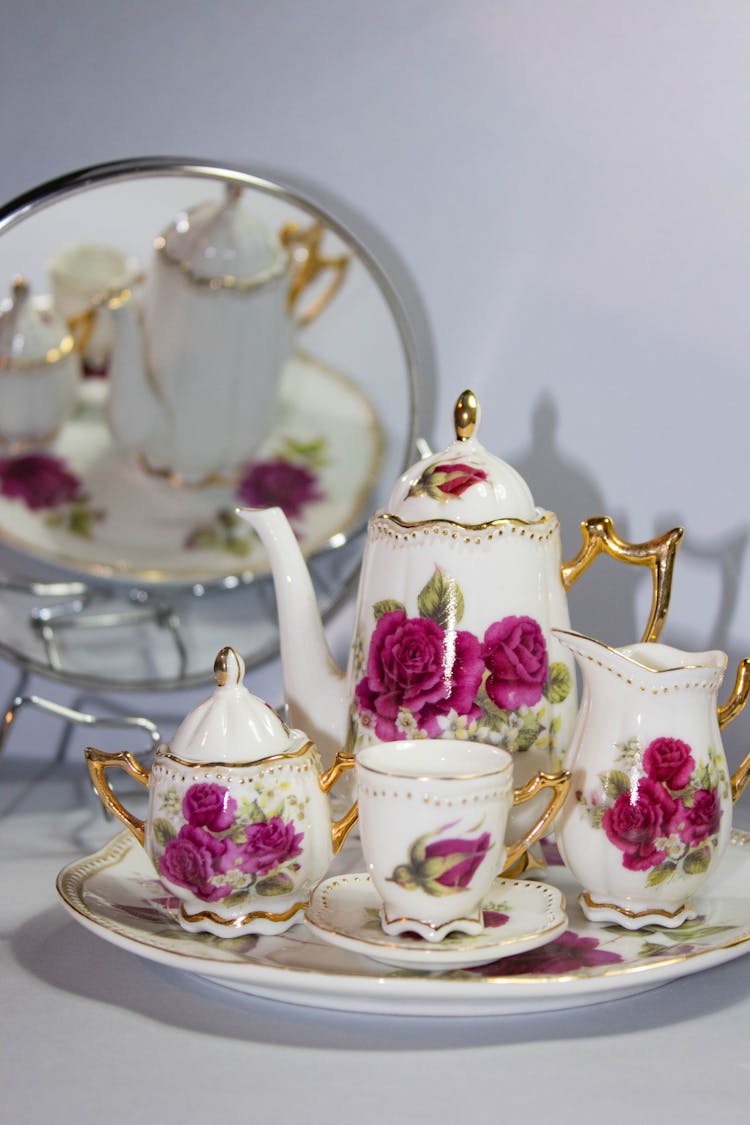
[(228, 659), (465, 415)]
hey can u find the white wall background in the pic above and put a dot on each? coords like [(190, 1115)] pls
[(567, 183)]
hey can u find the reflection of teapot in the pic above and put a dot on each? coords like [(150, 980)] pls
[(195, 376), (238, 824), (39, 370), (652, 813), (462, 582)]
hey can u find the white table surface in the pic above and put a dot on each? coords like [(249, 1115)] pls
[(566, 185)]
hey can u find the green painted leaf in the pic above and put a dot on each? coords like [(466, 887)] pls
[(659, 874), (614, 783), (441, 600), (528, 735), (697, 861), (387, 605), (557, 687), (279, 884), (163, 831)]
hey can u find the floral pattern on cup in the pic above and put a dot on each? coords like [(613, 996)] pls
[(44, 482), (442, 865), (661, 809), (448, 480), (425, 677), (223, 848)]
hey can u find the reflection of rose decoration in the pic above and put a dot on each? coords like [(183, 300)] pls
[(636, 819), (515, 654), (669, 760), (566, 954), (465, 854), (412, 666), (269, 845), (276, 483), (39, 479), (191, 859), (207, 805), (702, 819)]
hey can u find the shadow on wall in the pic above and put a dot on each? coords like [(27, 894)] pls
[(603, 601)]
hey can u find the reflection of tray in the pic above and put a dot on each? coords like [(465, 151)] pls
[(115, 894), (324, 448)]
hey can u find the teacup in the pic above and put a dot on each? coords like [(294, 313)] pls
[(432, 815), (84, 277)]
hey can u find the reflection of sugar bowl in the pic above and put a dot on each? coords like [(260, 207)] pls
[(39, 369), (238, 824)]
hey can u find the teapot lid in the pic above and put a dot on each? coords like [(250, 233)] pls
[(223, 244), (32, 333), (232, 726), (464, 483)]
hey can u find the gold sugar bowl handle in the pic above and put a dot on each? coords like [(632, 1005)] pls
[(600, 537), (99, 761)]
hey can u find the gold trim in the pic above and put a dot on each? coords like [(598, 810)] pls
[(501, 522), (600, 536), (590, 902), (716, 671), (396, 776), (465, 415), (242, 919), (14, 446), (98, 762), (559, 784), (35, 365), (217, 282), (285, 756), (476, 920)]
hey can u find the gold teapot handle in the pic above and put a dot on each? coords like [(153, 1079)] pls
[(99, 762), (519, 851), (730, 710), (659, 555), (340, 829), (307, 264)]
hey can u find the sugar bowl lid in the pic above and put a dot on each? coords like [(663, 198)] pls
[(463, 483), (232, 726), (32, 333), (223, 245)]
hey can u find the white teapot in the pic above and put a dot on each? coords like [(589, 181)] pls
[(462, 584), (238, 825), (194, 373), (39, 370)]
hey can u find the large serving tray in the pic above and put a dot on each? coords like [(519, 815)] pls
[(115, 894)]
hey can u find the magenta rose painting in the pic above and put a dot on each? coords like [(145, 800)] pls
[(660, 807), (424, 677), (219, 848)]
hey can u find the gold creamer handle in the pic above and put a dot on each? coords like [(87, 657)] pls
[(559, 783), (340, 829), (307, 264), (730, 710), (99, 762), (659, 555)]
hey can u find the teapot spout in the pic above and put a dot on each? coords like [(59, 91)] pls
[(314, 686), (135, 413)]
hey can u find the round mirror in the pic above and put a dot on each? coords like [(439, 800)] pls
[(178, 339)]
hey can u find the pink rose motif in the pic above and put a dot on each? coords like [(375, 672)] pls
[(468, 854), (453, 479), (669, 760), (636, 820), (191, 859), (567, 953), (39, 479), (411, 666), (515, 654), (276, 483), (269, 845), (492, 919), (207, 805), (702, 819)]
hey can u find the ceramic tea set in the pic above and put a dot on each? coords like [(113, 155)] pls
[(457, 711), (221, 295)]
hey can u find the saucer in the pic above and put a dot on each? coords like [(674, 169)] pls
[(87, 506), (518, 916)]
